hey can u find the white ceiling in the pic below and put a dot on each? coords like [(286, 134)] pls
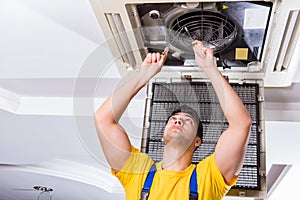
[(47, 101)]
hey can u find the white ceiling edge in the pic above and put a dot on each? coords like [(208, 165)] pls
[(9, 101), (92, 175), (275, 175), (85, 106), (282, 115), (278, 111), (57, 106), (75, 172)]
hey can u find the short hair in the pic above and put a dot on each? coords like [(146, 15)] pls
[(193, 113)]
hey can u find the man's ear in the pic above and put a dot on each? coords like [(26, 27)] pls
[(198, 141)]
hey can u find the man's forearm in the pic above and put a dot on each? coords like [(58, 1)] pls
[(113, 138), (113, 108), (232, 106), (115, 105)]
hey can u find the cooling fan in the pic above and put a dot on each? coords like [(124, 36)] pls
[(214, 29)]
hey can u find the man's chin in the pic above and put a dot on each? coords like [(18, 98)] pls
[(177, 139)]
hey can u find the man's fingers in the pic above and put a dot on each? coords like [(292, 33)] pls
[(200, 49), (165, 52), (153, 58), (149, 57), (210, 51), (157, 57), (163, 55), (198, 43)]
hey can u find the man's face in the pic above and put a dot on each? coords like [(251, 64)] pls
[(180, 128)]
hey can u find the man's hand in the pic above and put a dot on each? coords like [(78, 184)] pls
[(204, 57), (153, 64)]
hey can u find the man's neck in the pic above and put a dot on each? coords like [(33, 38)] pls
[(176, 159)]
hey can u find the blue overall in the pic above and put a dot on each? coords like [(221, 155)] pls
[(149, 180)]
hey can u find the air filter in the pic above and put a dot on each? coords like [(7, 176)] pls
[(201, 97)]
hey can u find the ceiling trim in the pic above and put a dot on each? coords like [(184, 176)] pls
[(57, 106), (87, 174), (279, 111), (275, 175), (9, 101)]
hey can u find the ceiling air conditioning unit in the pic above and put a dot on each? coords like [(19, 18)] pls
[(253, 44), (255, 38)]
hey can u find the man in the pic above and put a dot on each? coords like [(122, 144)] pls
[(215, 174)]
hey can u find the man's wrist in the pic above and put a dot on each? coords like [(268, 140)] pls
[(141, 79)]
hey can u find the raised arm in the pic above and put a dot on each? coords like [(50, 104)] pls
[(113, 138), (231, 147)]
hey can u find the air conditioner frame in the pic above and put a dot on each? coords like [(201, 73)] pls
[(280, 44)]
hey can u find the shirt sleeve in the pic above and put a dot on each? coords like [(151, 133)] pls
[(138, 163), (211, 181)]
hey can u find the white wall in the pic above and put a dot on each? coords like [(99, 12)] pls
[(282, 140)]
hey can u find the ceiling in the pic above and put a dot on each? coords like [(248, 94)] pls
[(48, 96)]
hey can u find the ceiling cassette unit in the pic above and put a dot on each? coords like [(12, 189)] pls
[(251, 39), (253, 42), (226, 27)]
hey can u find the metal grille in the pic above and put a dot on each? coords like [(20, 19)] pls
[(214, 29), (201, 96)]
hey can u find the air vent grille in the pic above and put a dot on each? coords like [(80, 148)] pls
[(201, 96)]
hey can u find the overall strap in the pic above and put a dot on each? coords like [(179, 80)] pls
[(149, 180), (148, 183), (194, 185)]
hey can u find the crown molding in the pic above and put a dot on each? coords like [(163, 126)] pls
[(9, 101)]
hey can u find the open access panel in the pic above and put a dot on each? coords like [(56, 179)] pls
[(163, 97)]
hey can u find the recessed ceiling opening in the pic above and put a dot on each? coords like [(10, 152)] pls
[(212, 28)]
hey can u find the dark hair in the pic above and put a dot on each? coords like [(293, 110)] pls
[(193, 113)]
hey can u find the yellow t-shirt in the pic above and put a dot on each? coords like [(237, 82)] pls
[(168, 184)]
